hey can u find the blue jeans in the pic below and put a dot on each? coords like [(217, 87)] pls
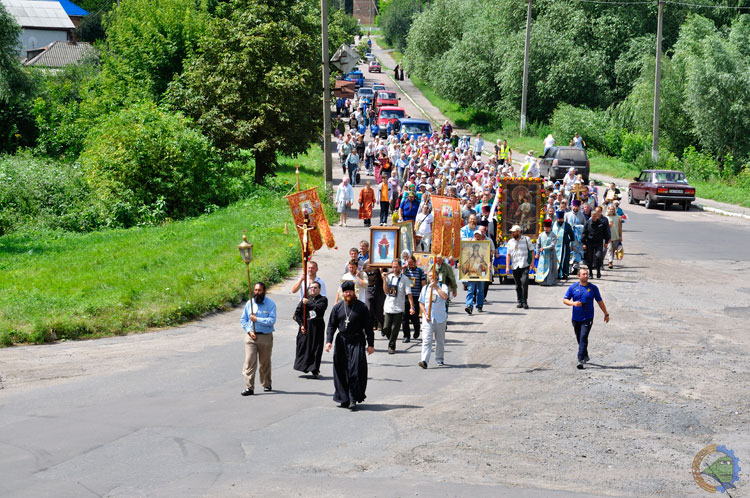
[(475, 295), (582, 330)]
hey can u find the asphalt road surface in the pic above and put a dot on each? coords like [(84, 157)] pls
[(159, 413)]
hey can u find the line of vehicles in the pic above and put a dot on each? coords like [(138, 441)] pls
[(389, 114)]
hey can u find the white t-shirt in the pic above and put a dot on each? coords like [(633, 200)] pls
[(322, 287), (424, 221), (519, 252), (397, 287), (549, 142)]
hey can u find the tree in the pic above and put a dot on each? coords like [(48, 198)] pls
[(717, 84), (148, 41), (255, 82), (16, 88), (395, 19)]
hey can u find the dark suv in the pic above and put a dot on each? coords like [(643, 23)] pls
[(558, 160)]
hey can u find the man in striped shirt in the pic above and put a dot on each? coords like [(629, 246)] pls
[(418, 280)]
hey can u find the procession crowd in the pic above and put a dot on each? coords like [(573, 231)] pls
[(578, 235)]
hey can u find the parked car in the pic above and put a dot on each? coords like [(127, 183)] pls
[(661, 186), (378, 86), (366, 95), (414, 128), (385, 99), (386, 116), (357, 77), (558, 160), (374, 67)]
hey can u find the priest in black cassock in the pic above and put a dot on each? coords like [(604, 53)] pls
[(354, 324), (311, 334)]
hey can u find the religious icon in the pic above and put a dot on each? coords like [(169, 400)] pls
[(406, 235), (520, 203), (385, 244), (474, 263), (424, 260)]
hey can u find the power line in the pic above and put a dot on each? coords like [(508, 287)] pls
[(617, 3), (707, 6)]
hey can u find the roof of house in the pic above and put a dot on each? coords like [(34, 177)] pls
[(60, 54), (38, 14), (70, 8)]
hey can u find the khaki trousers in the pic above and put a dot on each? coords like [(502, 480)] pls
[(258, 350)]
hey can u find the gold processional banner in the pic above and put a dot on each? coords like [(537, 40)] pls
[(446, 226), (307, 201)]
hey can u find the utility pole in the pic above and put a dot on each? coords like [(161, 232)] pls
[(524, 91), (328, 160), (657, 87)]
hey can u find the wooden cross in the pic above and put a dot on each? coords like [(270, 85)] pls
[(578, 189)]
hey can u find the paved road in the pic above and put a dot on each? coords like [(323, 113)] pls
[(159, 414)]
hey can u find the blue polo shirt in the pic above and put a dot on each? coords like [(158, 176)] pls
[(265, 312), (586, 295)]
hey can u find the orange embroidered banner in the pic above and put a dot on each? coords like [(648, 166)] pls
[(307, 201), (446, 226)]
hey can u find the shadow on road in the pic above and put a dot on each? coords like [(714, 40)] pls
[(611, 367), (467, 365), (383, 407)]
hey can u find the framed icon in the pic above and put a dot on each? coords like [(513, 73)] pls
[(384, 246), (475, 262)]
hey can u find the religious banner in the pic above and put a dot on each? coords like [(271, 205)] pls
[(407, 236), (424, 260), (521, 203), (307, 201), (446, 226)]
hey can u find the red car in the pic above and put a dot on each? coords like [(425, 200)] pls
[(661, 186), (386, 116), (385, 99), (374, 67)]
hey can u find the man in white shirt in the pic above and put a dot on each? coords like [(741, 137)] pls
[(312, 276), (436, 323), (478, 145), (521, 258), (423, 225), (397, 288)]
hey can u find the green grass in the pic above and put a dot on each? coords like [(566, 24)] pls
[(60, 285)]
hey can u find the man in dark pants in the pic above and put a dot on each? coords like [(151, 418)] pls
[(418, 280), (596, 237), (521, 258), (581, 297)]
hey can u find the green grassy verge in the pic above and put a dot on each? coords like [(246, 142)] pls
[(487, 124), (69, 286)]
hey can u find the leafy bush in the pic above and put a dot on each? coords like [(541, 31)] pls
[(699, 165), (634, 145), (567, 120), (743, 178), (144, 156), (37, 193)]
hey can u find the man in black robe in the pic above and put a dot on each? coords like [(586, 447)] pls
[(352, 320), (375, 295), (311, 334), (596, 237)]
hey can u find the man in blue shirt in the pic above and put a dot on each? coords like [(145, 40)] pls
[(581, 297), (257, 321)]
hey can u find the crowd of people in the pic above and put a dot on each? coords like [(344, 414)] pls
[(579, 235)]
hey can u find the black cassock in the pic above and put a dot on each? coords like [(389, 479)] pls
[(310, 345), (349, 350)]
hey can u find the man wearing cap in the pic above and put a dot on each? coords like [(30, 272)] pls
[(354, 325), (520, 257), (409, 208)]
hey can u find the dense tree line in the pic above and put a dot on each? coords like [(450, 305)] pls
[(161, 124), (594, 63)]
